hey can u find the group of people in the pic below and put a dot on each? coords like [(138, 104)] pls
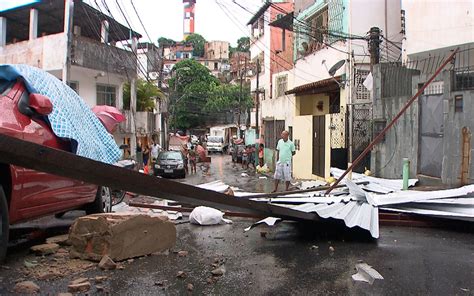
[(148, 151), (192, 155), (248, 156)]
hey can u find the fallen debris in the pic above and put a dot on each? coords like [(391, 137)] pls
[(183, 253), (229, 191), (270, 221), (313, 247), (190, 287), (220, 271), (80, 285), (100, 279), (181, 275), (120, 236), (331, 249), (161, 283), (65, 294), (62, 240), (106, 263), (45, 249), (26, 287), (207, 216), (365, 273)]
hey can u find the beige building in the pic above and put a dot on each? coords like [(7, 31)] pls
[(216, 50)]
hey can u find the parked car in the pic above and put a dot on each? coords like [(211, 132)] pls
[(26, 194), (237, 153), (171, 164)]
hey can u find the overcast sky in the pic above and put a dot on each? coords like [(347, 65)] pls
[(165, 17)]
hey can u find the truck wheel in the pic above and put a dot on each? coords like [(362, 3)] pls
[(102, 202), (4, 225)]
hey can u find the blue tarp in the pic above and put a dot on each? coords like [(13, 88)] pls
[(71, 118)]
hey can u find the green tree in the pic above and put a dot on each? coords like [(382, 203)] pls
[(191, 86), (163, 41), (198, 43), (147, 93), (229, 97), (243, 44)]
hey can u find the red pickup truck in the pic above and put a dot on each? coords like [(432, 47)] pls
[(27, 194)]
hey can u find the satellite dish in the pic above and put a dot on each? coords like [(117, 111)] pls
[(336, 67)]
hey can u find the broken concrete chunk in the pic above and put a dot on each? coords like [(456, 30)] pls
[(79, 288), (190, 287), (27, 287), (45, 249), (62, 240), (120, 236), (183, 253), (106, 263), (79, 281), (365, 273), (218, 271), (99, 279)]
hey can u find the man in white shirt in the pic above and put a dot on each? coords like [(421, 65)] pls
[(285, 151), (155, 150)]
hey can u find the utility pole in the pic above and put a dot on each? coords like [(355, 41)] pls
[(240, 97), (257, 102), (164, 101), (133, 103), (374, 47), (68, 14)]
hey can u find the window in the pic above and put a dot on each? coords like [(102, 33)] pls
[(106, 95), (74, 85), (458, 103), (216, 66), (319, 29), (282, 85)]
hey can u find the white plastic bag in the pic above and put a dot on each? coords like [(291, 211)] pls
[(207, 216)]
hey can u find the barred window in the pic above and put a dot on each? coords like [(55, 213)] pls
[(106, 94), (282, 85)]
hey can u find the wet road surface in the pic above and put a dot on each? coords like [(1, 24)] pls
[(289, 259)]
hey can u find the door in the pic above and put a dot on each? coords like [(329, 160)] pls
[(319, 136), (431, 135)]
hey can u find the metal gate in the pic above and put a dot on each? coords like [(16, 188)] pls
[(273, 129), (431, 135), (319, 135), (361, 134)]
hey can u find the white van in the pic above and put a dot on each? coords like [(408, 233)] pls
[(216, 144)]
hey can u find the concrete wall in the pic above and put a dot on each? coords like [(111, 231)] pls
[(403, 139), (46, 52), (217, 50), (435, 24)]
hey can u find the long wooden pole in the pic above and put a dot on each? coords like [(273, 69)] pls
[(394, 120)]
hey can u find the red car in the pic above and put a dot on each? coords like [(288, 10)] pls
[(27, 194)]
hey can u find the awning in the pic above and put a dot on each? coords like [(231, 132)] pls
[(285, 22), (317, 87)]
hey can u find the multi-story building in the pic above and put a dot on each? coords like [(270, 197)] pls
[(332, 122), (92, 52), (216, 50), (272, 47)]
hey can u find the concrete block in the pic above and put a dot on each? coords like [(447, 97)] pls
[(120, 236)]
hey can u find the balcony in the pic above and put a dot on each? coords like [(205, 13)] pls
[(92, 54)]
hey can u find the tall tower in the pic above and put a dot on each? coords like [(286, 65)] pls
[(188, 18)]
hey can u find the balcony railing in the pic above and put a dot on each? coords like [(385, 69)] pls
[(103, 57)]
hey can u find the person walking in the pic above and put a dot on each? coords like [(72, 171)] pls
[(260, 155), (155, 150), (192, 159), (285, 151)]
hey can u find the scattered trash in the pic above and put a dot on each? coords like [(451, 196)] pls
[(181, 275), (124, 208), (26, 287), (270, 221), (161, 283), (464, 289), (244, 175), (262, 177), (365, 273), (44, 249), (263, 169), (183, 253), (220, 271), (331, 249), (313, 247), (207, 216)]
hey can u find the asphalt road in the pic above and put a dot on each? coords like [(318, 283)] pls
[(288, 259)]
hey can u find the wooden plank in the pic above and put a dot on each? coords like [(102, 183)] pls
[(41, 158)]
